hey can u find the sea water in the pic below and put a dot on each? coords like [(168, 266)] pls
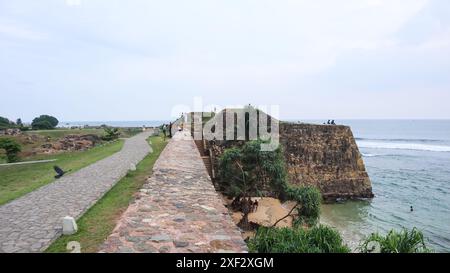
[(146, 123), (408, 162)]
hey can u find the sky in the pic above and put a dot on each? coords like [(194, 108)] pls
[(105, 60)]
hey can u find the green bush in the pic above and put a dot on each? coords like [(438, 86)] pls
[(319, 239), (42, 125), (111, 134), (44, 122), (19, 122), (12, 149), (308, 204), (404, 241), (6, 123)]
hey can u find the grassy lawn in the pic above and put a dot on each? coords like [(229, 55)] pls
[(99, 221), (58, 133), (40, 137), (19, 180)]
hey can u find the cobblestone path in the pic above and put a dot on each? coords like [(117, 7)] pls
[(31, 222), (178, 209)]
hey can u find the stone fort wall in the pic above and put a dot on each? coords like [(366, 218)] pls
[(325, 156)]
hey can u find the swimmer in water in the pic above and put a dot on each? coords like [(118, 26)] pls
[(412, 209)]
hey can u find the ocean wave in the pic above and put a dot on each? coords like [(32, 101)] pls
[(403, 146), (369, 155), (399, 139)]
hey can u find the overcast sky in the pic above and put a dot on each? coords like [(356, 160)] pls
[(136, 59)]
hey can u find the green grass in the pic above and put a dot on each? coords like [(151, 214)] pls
[(18, 180), (99, 221), (44, 136), (318, 239), (404, 241), (59, 133)]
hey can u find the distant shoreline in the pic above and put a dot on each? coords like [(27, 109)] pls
[(139, 123)]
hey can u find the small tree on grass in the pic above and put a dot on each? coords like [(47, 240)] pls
[(111, 134), (12, 149), (19, 122)]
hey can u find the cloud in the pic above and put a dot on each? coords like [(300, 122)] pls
[(216, 41), (101, 49), (18, 32)]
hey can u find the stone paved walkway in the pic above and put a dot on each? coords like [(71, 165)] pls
[(178, 209), (32, 222)]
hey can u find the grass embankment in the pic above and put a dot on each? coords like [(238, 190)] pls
[(41, 137), (18, 180), (59, 133), (99, 221)]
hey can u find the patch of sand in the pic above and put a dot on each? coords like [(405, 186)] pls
[(269, 211)]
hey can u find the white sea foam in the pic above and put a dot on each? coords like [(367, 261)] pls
[(368, 155), (402, 146)]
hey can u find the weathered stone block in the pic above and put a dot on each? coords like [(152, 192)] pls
[(69, 226)]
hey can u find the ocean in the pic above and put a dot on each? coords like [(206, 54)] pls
[(408, 162), (146, 123)]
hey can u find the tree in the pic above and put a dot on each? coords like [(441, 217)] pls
[(41, 125), (11, 147), (308, 200), (19, 122), (111, 134), (5, 123), (248, 172), (44, 122)]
